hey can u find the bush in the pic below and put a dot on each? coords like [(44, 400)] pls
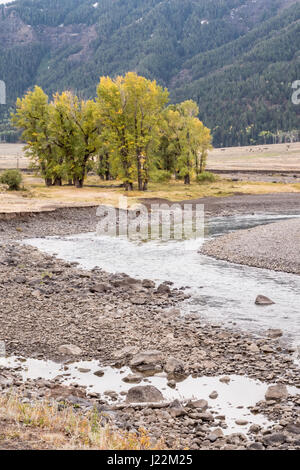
[(12, 178), (160, 176), (206, 177)]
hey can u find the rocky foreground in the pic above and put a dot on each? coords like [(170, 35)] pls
[(51, 309), (275, 246)]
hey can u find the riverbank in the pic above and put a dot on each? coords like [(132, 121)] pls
[(72, 220), (274, 246), (112, 319)]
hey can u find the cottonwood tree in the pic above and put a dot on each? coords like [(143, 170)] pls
[(186, 139), (131, 108), (33, 116), (75, 130)]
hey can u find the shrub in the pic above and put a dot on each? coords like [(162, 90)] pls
[(12, 178), (206, 177), (160, 176)]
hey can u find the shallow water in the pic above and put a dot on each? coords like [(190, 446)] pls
[(233, 398), (220, 291)]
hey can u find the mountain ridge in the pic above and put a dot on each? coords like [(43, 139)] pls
[(188, 46)]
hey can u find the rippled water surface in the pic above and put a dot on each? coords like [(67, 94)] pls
[(220, 291)]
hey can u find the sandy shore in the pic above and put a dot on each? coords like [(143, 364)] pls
[(275, 246)]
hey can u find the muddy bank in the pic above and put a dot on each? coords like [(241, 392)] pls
[(47, 303), (275, 246)]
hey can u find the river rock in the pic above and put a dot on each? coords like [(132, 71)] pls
[(293, 428), (225, 379), (215, 434), (174, 366), (197, 404), (177, 412), (276, 392), (214, 395), (276, 438), (253, 348), (241, 422), (100, 288), (143, 394), (69, 349), (263, 300), (163, 289), (139, 300), (132, 379), (255, 446), (148, 284), (5, 381), (126, 353), (146, 360), (274, 333)]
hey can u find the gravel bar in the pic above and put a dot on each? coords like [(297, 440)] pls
[(274, 246)]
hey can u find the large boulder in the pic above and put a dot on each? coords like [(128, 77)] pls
[(144, 394), (147, 360), (263, 300), (276, 392)]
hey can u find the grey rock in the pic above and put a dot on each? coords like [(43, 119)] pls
[(274, 439), (143, 394), (146, 360), (174, 366), (263, 300), (132, 378), (276, 392), (69, 349), (163, 289), (274, 333), (197, 404)]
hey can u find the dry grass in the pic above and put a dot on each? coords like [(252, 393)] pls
[(65, 427), (261, 157), (37, 197)]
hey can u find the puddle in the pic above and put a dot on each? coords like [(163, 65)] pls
[(233, 399)]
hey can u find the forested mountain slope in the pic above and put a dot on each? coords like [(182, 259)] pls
[(236, 58)]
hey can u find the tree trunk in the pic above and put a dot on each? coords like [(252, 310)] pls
[(187, 179), (48, 182), (139, 173), (79, 182), (57, 181), (145, 186), (128, 186)]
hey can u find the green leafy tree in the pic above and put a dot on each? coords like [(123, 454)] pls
[(33, 117)]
